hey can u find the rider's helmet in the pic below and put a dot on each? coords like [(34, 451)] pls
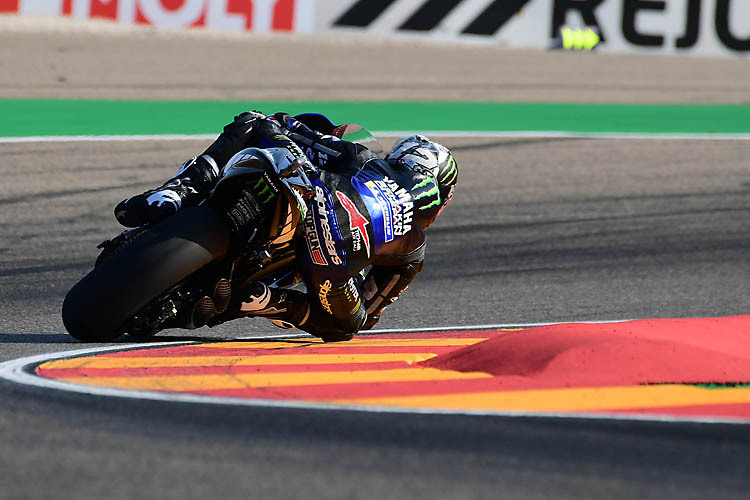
[(431, 159)]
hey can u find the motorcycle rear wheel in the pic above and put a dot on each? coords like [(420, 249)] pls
[(98, 307)]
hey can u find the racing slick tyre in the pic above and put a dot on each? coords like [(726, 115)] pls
[(97, 308)]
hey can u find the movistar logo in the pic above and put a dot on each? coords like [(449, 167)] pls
[(433, 191)]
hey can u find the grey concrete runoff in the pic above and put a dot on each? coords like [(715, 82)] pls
[(69, 59)]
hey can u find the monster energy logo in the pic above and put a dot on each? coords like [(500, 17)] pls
[(429, 192), (451, 172), (263, 189)]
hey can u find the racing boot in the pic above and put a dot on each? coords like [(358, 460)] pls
[(284, 308), (189, 187), (280, 305), (255, 299)]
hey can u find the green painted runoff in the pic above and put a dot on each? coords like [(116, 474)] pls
[(27, 117)]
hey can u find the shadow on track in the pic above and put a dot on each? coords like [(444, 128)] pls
[(36, 338), (514, 142), (64, 338)]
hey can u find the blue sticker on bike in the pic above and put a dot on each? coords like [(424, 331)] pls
[(368, 186)]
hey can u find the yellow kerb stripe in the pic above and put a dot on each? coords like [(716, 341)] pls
[(270, 359), (186, 383), (374, 342), (601, 398)]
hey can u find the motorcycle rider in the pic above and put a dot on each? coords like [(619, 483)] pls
[(365, 211)]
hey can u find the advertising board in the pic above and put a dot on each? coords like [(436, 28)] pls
[(694, 27), (229, 15), (687, 27)]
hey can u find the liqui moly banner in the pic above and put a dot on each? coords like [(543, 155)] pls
[(229, 15)]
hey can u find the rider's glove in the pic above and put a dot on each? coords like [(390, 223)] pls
[(249, 115), (236, 137), (285, 120), (242, 125)]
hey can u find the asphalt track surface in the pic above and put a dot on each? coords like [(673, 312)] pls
[(540, 230)]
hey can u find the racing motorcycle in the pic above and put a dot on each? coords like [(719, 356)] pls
[(181, 272)]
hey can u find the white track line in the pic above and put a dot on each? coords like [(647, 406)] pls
[(365, 333), (19, 371), (568, 135), (440, 133), (105, 138), (483, 327)]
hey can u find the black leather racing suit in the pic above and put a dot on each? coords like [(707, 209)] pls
[(364, 212)]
